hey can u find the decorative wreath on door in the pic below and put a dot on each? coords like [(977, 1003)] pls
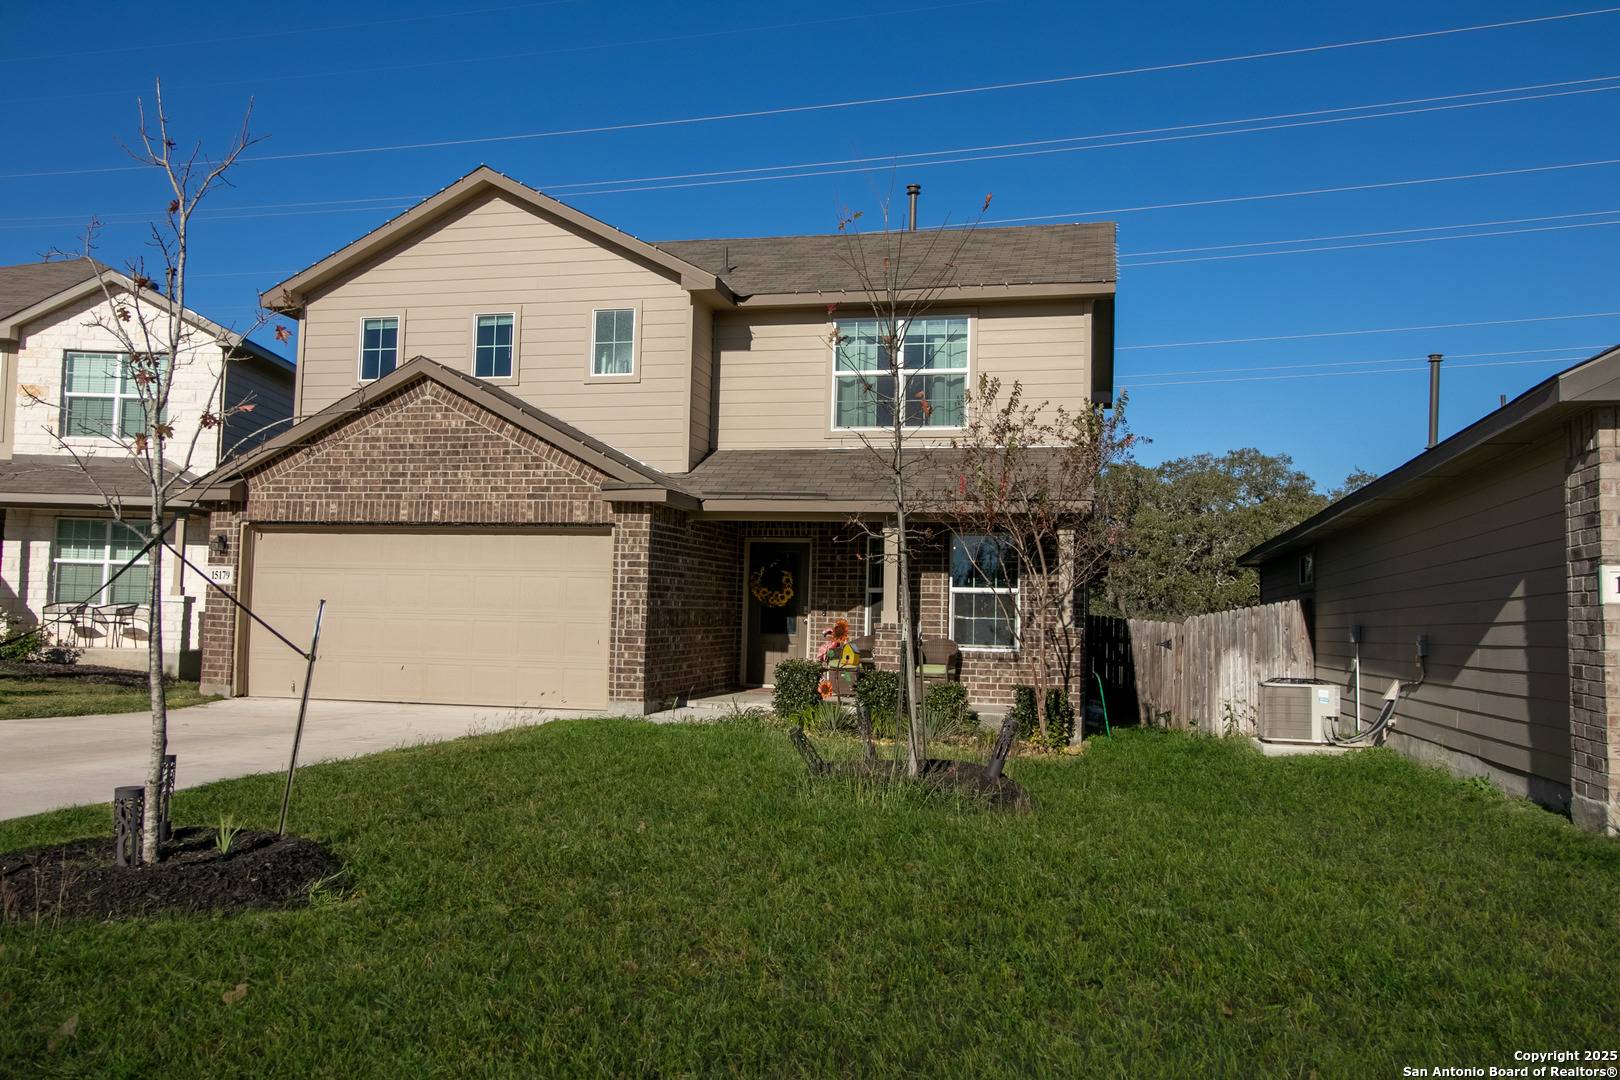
[(772, 584)]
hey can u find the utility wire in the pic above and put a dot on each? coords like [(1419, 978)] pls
[(294, 32), (571, 188), (1378, 330), (1373, 244), (1360, 235), (1590, 349), (861, 102), (496, 58), (1227, 200), (1385, 371)]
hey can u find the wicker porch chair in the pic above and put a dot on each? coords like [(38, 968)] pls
[(941, 661)]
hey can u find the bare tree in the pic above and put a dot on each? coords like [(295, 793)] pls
[(1028, 482), (146, 315), (901, 273)]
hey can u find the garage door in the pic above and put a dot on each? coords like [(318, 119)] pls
[(449, 616)]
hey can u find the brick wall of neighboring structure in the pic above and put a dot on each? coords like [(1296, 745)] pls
[(1592, 525), (694, 607)]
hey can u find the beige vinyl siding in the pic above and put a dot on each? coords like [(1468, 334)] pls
[(1479, 567), (774, 366), (702, 382), (269, 390), (494, 256)]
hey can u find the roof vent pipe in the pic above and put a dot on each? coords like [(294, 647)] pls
[(912, 191), (1434, 397)]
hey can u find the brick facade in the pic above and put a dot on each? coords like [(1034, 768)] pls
[(426, 455), (1592, 526)]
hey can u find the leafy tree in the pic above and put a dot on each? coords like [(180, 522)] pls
[(1190, 518)]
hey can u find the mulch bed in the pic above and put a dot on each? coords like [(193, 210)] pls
[(78, 880), (78, 673)]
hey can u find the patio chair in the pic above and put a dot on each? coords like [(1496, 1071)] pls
[(941, 661), (58, 620), (117, 619)]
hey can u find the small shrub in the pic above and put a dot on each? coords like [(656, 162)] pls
[(1059, 717), (225, 834), (796, 682), (21, 643), (945, 704), (879, 693)]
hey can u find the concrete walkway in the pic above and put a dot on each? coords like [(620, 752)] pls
[(69, 760)]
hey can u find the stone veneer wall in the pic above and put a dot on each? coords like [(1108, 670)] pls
[(1592, 521)]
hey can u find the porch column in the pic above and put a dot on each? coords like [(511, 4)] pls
[(890, 615), (1592, 532)]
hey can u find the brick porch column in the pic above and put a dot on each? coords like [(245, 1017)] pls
[(1592, 531)]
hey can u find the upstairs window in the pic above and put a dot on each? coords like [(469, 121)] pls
[(99, 396), (492, 354), (933, 374), (379, 347), (984, 593), (87, 553), (613, 342)]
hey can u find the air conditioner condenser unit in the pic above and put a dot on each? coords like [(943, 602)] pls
[(1297, 710)]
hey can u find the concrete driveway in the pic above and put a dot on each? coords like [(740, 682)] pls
[(69, 760)]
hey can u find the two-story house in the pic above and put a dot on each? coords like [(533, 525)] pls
[(541, 462), (70, 395)]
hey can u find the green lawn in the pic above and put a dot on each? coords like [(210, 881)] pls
[(615, 897), (22, 697)]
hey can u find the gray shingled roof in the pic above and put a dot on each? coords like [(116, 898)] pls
[(1077, 253), (26, 284), (841, 474), (35, 478)]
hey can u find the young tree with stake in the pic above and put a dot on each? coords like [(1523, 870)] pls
[(146, 315), (901, 273)]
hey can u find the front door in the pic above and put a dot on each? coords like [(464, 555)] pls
[(776, 601)]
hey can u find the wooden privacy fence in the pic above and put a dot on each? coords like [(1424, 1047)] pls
[(1204, 672)]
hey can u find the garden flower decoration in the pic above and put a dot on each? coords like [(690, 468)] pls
[(835, 645)]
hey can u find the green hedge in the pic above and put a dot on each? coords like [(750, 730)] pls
[(796, 682), (1059, 716), (945, 704), (879, 694)]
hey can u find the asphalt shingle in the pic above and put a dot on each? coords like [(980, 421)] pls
[(1077, 253)]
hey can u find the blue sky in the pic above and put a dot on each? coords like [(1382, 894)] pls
[(334, 77)]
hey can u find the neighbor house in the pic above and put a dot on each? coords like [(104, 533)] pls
[(541, 462), (70, 396), (1485, 573)]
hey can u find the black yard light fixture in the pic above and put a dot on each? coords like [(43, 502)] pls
[(219, 545)]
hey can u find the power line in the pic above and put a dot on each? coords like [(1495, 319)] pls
[(1360, 235), (890, 161), (1378, 330), (861, 102), (1375, 244), (1354, 363), (289, 33), (1385, 371), (1227, 200), (1090, 138), (490, 58)]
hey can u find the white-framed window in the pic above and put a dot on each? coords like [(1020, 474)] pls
[(492, 349), (933, 370), (874, 582), (99, 396), (379, 346), (984, 593), (613, 341), (88, 552)]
